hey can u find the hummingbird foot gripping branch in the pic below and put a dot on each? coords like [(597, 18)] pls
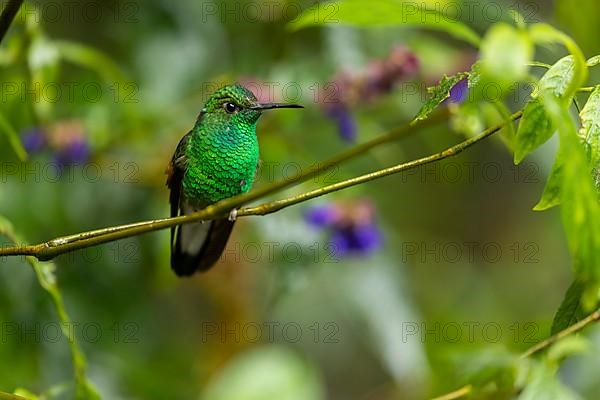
[(233, 215), (216, 160)]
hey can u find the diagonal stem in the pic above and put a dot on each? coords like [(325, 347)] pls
[(576, 327), (256, 194), (543, 345), (277, 205), (55, 247)]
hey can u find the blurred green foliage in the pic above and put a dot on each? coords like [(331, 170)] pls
[(468, 275)]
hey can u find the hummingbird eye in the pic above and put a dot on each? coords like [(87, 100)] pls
[(230, 107)]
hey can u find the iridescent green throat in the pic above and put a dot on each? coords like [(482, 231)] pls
[(222, 158)]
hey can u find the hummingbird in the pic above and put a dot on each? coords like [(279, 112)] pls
[(217, 159)]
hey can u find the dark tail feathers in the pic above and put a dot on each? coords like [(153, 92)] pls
[(198, 246)]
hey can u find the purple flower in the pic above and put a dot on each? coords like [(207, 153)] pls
[(75, 152), (350, 225), (34, 140), (366, 238), (322, 216), (382, 75), (356, 240), (344, 120), (459, 91), (64, 140), (69, 143), (349, 89), (340, 244)]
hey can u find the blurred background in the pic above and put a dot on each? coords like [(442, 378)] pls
[(390, 290)]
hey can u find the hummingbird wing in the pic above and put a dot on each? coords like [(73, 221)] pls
[(175, 172), (196, 246)]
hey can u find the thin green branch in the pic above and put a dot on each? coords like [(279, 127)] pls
[(61, 245), (233, 202), (543, 345), (55, 247), (277, 205), (593, 317), (7, 16)]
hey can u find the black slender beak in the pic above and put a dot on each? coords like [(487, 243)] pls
[(270, 106)]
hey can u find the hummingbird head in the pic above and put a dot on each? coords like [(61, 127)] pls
[(238, 105)]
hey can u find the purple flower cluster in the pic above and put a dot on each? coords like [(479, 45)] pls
[(34, 140), (65, 140), (378, 79), (351, 227)]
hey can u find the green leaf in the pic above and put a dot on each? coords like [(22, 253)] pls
[(13, 138), (580, 208), (551, 195), (535, 128), (570, 310), (382, 12), (557, 78), (544, 33), (439, 93), (505, 56), (590, 126), (474, 74)]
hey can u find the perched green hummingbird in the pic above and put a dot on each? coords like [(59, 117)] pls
[(216, 160)]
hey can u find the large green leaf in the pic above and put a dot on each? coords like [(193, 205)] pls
[(551, 195), (382, 12), (535, 128), (439, 93), (590, 126), (557, 78), (580, 208), (546, 34)]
